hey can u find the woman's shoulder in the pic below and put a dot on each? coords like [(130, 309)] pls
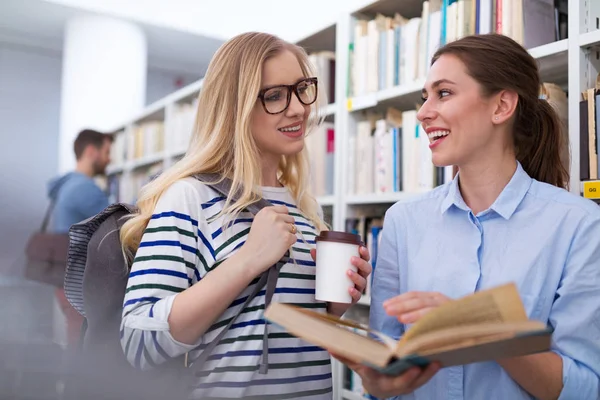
[(189, 191), (565, 200), (422, 202)]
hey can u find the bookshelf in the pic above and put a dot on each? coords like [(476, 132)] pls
[(572, 63)]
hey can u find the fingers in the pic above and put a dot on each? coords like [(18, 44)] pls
[(363, 267), (413, 301), (414, 316), (356, 294), (359, 283), (291, 239), (313, 254), (364, 253), (279, 209), (426, 375)]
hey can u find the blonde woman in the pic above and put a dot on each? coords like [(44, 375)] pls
[(193, 269)]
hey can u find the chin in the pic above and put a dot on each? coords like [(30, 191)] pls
[(292, 148), (440, 160)]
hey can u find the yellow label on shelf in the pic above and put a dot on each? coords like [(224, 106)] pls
[(349, 104), (591, 190)]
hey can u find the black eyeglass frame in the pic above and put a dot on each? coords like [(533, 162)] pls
[(291, 88)]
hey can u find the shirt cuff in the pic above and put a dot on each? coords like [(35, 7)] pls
[(159, 323), (579, 382)]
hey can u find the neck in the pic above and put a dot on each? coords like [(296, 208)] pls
[(85, 168), (269, 172), (481, 184)]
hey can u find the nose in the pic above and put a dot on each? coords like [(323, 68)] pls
[(296, 108), (426, 113)]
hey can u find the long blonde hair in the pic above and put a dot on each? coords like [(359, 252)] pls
[(222, 141)]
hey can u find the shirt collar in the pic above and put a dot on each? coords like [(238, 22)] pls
[(506, 203)]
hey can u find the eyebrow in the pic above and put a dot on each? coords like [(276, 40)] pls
[(436, 84)]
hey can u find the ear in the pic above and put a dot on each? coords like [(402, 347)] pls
[(90, 151), (506, 104)]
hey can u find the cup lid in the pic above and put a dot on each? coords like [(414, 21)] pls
[(340, 237)]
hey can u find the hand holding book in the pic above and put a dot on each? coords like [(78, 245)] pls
[(383, 386), (410, 307), (488, 325)]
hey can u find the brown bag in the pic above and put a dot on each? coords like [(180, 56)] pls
[(46, 254)]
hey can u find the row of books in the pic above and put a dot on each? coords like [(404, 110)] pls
[(391, 154), (388, 51), (126, 188), (589, 134), (320, 146), (370, 228), (181, 124), (145, 140), (324, 64), (148, 138)]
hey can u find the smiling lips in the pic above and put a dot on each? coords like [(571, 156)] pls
[(436, 136), (294, 130)]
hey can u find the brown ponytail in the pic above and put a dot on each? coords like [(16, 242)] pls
[(498, 63)]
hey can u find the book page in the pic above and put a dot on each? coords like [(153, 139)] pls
[(501, 304), (330, 333)]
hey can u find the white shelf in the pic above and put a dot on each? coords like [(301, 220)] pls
[(114, 169), (177, 152), (146, 161), (326, 200), (378, 198), (549, 49), (329, 109), (407, 93), (348, 395), (590, 39)]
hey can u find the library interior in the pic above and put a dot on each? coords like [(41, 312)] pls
[(128, 101)]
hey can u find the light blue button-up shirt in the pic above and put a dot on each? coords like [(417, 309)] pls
[(544, 239)]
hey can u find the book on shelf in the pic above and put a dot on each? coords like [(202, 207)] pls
[(391, 154), (393, 50), (370, 230), (324, 65), (484, 326), (589, 131), (320, 145)]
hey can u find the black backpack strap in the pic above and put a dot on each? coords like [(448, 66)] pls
[(272, 275), (268, 278)]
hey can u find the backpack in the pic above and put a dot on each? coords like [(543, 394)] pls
[(95, 282)]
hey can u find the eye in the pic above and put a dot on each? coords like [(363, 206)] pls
[(443, 93), (273, 95)]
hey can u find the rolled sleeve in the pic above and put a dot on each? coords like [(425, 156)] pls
[(575, 315)]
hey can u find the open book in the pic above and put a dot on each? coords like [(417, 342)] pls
[(488, 325)]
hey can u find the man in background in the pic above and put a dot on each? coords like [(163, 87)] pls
[(77, 195)]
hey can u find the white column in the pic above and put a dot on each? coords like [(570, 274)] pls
[(103, 78)]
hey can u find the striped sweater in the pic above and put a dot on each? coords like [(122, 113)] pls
[(181, 244)]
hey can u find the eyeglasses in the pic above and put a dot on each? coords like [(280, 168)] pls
[(276, 99)]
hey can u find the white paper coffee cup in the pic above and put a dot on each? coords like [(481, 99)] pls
[(334, 252)]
